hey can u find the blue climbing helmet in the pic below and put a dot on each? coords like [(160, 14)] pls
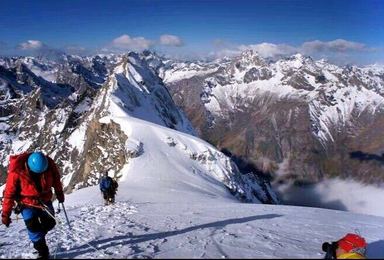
[(37, 162)]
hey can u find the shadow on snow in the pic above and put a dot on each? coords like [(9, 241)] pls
[(375, 249), (134, 239)]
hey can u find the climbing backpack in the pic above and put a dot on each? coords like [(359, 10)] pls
[(106, 184)]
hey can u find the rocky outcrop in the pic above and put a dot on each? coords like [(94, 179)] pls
[(45, 115), (104, 150)]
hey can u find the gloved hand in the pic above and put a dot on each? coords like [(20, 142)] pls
[(60, 197), (330, 250), (6, 220)]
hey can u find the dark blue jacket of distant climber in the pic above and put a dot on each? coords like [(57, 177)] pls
[(106, 184)]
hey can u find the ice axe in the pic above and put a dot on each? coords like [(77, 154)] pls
[(65, 213)]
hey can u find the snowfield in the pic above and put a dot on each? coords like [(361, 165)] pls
[(166, 224)]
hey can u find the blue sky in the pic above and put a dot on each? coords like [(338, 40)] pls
[(349, 30)]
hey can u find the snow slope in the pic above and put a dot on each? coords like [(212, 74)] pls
[(162, 167), (156, 224)]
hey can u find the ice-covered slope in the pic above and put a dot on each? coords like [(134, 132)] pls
[(152, 223), (178, 165), (142, 94)]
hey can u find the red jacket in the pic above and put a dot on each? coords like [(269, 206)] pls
[(21, 187)]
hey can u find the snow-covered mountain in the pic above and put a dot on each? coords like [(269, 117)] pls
[(294, 120), (297, 119), (278, 109), (178, 195), (98, 113)]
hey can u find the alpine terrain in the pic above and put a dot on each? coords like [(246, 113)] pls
[(178, 195), (313, 127)]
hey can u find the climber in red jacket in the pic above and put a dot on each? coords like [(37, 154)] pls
[(31, 177)]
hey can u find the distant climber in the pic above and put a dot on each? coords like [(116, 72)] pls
[(31, 177), (351, 246), (108, 187)]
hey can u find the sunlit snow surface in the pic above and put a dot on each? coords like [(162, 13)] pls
[(147, 223)]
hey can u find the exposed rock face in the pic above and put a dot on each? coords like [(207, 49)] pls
[(41, 114), (294, 118), (104, 150), (257, 74)]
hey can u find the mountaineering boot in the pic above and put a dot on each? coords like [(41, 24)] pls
[(42, 249)]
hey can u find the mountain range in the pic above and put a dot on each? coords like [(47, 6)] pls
[(294, 118), (96, 114), (288, 121)]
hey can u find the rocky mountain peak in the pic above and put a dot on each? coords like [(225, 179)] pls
[(247, 59)]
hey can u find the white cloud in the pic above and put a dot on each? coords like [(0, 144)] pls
[(334, 194), (31, 45), (338, 45), (171, 40), (125, 42), (337, 50), (267, 50)]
